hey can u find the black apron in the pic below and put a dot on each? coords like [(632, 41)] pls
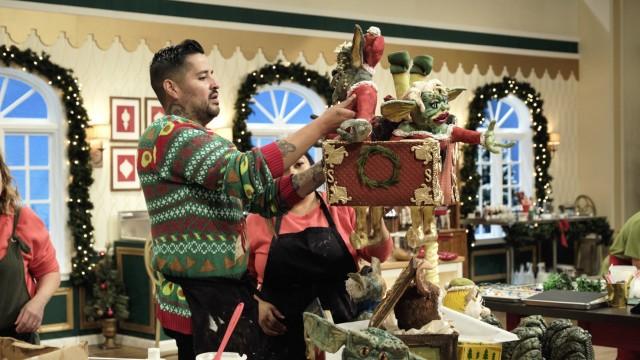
[(212, 302), (300, 267), (12, 271)]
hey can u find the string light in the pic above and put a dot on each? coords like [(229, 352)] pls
[(531, 98), (272, 73)]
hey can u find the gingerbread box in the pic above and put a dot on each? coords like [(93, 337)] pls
[(384, 173)]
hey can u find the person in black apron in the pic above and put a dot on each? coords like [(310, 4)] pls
[(301, 267), (21, 315), (11, 302)]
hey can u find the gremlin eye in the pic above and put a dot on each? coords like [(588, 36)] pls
[(434, 105), (364, 351)]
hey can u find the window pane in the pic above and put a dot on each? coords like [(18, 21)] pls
[(486, 156), (292, 102), (258, 141), (486, 174), (515, 152), (505, 174), (38, 150), (14, 150), (33, 107), (15, 89), (19, 180), (39, 184), (302, 116), (43, 211), (486, 196), (511, 121), (258, 116), (514, 196), (515, 174)]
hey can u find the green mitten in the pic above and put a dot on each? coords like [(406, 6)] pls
[(422, 66)]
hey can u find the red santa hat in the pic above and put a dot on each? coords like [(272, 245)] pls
[(373, 46)]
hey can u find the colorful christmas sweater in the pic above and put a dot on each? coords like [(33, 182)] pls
[(198, 187)]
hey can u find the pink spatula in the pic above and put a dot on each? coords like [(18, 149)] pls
[(232, 325)]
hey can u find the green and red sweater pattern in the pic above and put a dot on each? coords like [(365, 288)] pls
[(197, 187)]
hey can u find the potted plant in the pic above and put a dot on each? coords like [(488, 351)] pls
[(109, 302)]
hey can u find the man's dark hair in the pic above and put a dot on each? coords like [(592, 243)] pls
[(168, 61)]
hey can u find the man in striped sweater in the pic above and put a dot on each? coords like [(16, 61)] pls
[(197, 185)]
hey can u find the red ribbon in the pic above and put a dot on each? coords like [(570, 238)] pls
[(563, 225)]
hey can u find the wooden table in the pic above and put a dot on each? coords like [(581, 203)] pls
[(610, 327)]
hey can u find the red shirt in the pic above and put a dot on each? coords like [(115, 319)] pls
[(42, 258), (260, 235)]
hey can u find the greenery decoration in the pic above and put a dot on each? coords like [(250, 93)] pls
[(109, 299), (562, 281), (80, 178), (523, 232), (365, 154), (269, 74), (541, 153)]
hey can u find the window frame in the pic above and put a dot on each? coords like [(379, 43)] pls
[(55, 127), (523, 134)]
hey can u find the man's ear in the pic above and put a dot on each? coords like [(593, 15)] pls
[(171, 89)]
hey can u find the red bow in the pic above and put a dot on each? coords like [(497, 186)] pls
[(563, 225)]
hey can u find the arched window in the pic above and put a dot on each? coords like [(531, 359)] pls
[(30, 138), (503, 175), (281, 109)]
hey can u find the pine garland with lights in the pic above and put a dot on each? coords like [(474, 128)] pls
[(269, 74), (80, 177), (541, 153), (108, 296)]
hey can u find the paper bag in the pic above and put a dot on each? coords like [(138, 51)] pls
[(12, 349)]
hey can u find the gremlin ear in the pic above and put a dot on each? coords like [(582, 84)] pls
[(454, 92), (323, 334), (375, 265), (397, 110), (357, 47)]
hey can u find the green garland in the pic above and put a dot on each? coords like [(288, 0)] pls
[(541, 153), (534, 232), (269, 74), (365, 154), (79, 204)]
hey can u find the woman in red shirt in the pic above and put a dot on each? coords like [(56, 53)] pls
[(26, 253), (303, 255)]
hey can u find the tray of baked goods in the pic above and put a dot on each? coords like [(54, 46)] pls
[(507, 292)]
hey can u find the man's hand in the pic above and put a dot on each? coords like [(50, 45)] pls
[(295, 145), (30, 316), (269, 318), (335, 115)]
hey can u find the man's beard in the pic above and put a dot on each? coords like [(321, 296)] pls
[(206, 113)]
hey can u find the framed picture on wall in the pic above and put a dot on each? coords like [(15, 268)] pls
[(125, 118), (152, 110), (124, 176)]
